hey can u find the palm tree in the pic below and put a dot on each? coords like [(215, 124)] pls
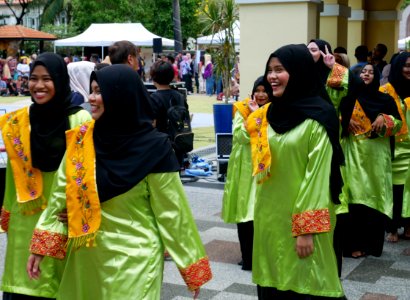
[(177, 26), (219, 18), (52, 8)]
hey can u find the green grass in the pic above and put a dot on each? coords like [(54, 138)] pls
[(201, 103), (12, 99), (203, 136)]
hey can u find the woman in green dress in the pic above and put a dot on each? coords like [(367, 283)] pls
[(296, 157), (239, 192), (125, 202), (34, 137), (367, 175)]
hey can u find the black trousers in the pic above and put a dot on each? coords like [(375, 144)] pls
[(11, 296), (270, 293), (339, 236), (245, 234), (394, 224)]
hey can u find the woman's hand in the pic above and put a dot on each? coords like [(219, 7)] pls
[(328, 58), (354, 126), (253, 105), (63, 217), (378, 124), (304, 245), (195, 293), (33, 266)]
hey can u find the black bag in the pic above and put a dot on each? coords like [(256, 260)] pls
[(179, 128)]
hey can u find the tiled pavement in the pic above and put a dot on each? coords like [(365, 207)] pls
[(383, 278)]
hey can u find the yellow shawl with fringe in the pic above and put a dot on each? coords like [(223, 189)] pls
[(83, 204), (257, 126), (389, 89), (242, 107), (15, 127)]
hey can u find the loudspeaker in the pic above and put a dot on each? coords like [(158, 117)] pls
[(157, 45)]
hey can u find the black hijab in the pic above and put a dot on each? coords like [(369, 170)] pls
[(396, 79), (127, 147), (49, 121), (260, 81), (301, 101), (321, 67)]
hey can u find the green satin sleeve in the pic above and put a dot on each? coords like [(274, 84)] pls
[(174, 218), (312, 195), (336, 95), (240, 187)]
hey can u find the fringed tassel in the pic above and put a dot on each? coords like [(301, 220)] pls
[(34, 206), (263, 176), (81, 241)]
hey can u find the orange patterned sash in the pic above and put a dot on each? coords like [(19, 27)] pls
[(360, 117), (242, 107), (257, 126), (83, 204), (15, 128)]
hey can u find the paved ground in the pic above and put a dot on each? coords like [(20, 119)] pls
[(384, 278)]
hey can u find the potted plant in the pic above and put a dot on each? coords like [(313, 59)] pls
[(219, 18)]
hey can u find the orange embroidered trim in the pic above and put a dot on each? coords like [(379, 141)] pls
[(257, 126), (359, 116), (389, 123), (313, 221), (389, 89), (83, 204), (242, 107), (336, 76), (197, 274), (16, 136), (48, 243), (4, 219)]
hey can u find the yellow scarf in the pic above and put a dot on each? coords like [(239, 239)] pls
[(15, 128), (389, 89), (242, 107), (360, 117), (83, 204), (257, 126)]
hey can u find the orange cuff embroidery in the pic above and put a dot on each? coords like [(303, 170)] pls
[(48, 244), (389, 123), (4, 219), (336, 76), (196, 274), (313, 221)]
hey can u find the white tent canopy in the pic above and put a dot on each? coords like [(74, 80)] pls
[(102, 35), (220, 36)]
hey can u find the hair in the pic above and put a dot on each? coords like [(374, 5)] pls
[(342, 59), (162, 72), (119, 51), (340, 50), (99, 66), (361, 53), (382, 49), (171, 59)]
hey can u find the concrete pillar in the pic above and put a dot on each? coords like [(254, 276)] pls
[(267, 25), (333, 22)]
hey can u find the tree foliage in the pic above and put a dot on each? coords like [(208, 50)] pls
[(405, 4), (24, 4), (155, 15)]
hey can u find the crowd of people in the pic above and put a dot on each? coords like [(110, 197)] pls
[(93, 198)]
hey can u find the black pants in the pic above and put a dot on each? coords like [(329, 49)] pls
[(270, 293), (339, 236), (394, 224), (11, 296), (245, 234)]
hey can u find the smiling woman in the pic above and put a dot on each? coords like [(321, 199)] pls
[(41, 85)]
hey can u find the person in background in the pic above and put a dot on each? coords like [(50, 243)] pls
[(342, 59), (399, 88), (384, 78), (239, 192), (295, 156), (133, 206), (340, 49), (23, 69), (185, 72), (124, 52), (24, 89), (12, 87), (79, 73), (162, 75), (368, 170), (379, 52), (208, 75), (171, 60), (361, 55), (35, 144), (3, 87)]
